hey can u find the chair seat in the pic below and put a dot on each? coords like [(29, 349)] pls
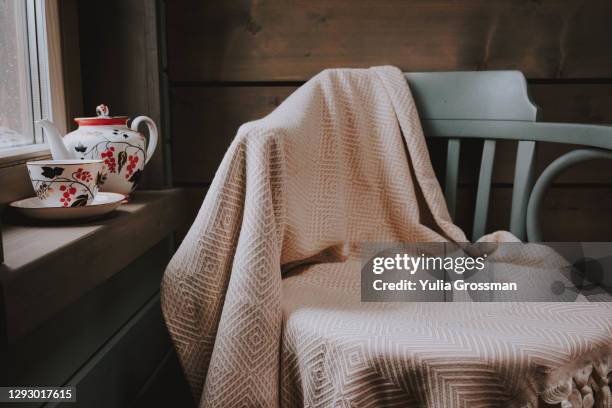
[(339, 352)]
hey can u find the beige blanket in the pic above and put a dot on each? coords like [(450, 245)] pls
[(341, 162)]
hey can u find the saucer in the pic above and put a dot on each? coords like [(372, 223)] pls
[(102, 204)]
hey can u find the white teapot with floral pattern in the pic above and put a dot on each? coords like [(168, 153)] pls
[(123, 149)]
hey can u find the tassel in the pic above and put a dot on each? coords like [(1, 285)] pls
[(604, 399), (559, 393), (581, 377), (575, 400)]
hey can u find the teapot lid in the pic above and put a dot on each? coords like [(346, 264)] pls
[(102, 118)]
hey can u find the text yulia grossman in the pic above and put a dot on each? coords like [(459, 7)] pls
[(486, 272), (441, 285)]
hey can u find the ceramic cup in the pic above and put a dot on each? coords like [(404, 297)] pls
[(65, 183)]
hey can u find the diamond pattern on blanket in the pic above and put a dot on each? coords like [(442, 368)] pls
[(343, 161), (337, 350)]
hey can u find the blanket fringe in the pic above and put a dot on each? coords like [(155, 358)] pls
[(583, 384)]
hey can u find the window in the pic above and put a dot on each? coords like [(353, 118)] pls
[(24, 72)]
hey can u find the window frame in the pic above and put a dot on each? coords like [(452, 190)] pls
[(46, 15)]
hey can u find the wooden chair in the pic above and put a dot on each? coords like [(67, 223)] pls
[(495, 105)]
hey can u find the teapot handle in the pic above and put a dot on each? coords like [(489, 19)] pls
[(152, 144)]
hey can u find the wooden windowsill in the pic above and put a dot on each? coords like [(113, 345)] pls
[(18, 155), (47, 268), (13, 173)]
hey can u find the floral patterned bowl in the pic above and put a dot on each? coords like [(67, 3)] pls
[(65, 183)]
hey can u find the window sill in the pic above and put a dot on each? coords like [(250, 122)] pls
[(22, 154), (13, 173), (46, 268)]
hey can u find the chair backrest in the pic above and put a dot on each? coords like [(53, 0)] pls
[(494, 105)]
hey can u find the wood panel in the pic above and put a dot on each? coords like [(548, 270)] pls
[(205, 120), (293, 40), (575, 103), (118, 371)]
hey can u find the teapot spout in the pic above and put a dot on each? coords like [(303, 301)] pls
[(53, 138)]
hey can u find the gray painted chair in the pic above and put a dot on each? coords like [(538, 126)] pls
[(495, 105)]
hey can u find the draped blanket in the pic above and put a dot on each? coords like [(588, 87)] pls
[(262, 297)]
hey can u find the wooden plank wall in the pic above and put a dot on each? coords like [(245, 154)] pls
[(231, 62)]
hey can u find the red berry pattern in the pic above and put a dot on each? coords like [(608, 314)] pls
[(68, 193), (133, 162), (83, 175), (109, 159)]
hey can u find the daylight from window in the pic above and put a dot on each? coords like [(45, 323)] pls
[(20, 88)]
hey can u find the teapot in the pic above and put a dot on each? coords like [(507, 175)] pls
[(123, 149)]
